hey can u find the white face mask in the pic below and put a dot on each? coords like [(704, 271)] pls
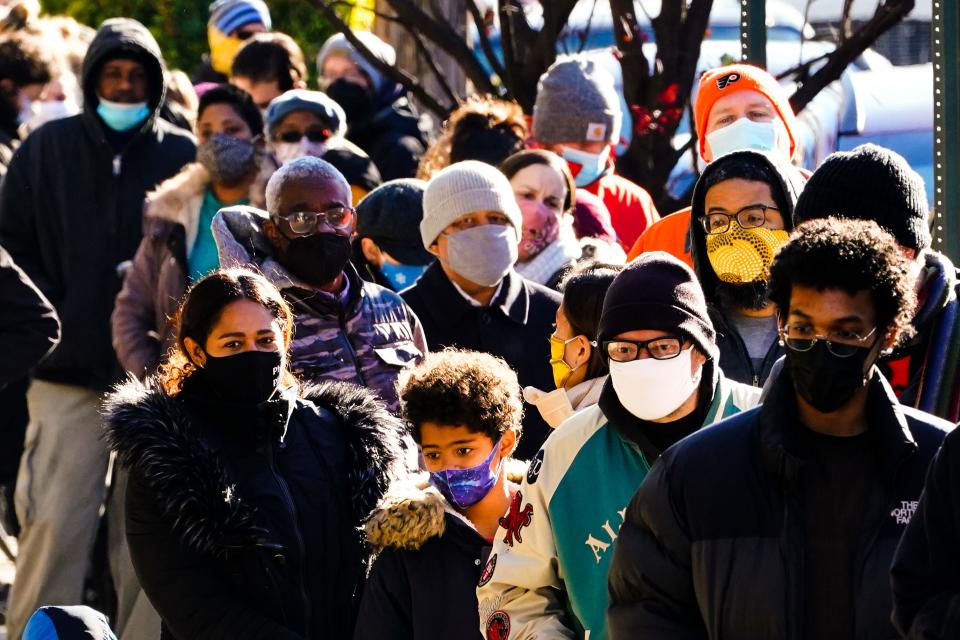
[(747, 134), (289, 151), (653, 389)]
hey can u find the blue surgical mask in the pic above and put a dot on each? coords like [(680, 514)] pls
[(592, 165), (401, 276), (743, 134), (466, 487), (121, 116)]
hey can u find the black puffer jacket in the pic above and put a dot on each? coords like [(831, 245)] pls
[(926, 569), (245, 525), (71, 207), (712, 544), (734, 357)]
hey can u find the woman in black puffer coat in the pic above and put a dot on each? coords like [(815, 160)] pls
[(246, 491)]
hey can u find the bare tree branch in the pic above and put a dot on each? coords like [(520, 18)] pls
[(886, 16), (485, 45), (432, 63), (395, 73), (846, 24), (443, 36)]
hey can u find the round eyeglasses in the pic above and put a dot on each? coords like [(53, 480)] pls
[(750, 217)]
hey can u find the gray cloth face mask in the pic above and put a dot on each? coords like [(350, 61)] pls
[(483, 254), (229, 160)]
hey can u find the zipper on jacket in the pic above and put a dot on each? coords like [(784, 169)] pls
[(341, 316), (288, 498), (117, 164)]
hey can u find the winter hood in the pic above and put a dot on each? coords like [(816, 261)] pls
[(123, 37), (152, 432), (413, 511), (785, 192)]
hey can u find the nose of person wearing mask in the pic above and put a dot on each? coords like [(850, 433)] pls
[(388, 249), (122, 92)]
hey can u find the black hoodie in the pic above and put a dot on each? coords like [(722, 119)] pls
[(734, 358), (71, 207)]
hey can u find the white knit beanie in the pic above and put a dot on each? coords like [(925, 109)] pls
[(463, 188)]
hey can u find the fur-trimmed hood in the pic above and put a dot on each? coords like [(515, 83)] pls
[(413, 511), (153, 433)]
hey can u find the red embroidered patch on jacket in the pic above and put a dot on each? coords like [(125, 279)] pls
[(516, 519), (498, 626)]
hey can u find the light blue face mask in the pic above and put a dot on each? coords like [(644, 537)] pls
[(401, 276), (591, 165), (743, 134), (121, 116)]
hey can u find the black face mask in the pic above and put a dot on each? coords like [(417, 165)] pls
[(827, 381), (356, 101), (319, 258), (247, 378)]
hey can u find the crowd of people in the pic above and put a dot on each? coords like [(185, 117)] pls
[(281, 362)]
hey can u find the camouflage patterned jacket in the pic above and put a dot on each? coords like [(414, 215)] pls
[(367, 335)]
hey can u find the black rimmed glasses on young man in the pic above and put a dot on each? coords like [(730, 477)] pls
[(664, 348), (749, 217)]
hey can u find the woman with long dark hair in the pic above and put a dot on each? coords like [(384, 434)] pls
[(246, 490)]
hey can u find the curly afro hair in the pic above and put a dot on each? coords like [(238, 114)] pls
[(852, 256), (455, 387)]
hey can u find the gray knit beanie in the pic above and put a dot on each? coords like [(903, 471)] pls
[(337, 44), (463, 188), (576, 102)]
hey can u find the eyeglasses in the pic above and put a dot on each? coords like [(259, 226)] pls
[(750, 217), (841, 343), (304, 223), (313, 135), (664, 348), (245, 35)]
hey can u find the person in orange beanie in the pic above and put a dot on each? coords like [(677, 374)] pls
[(737, 106)]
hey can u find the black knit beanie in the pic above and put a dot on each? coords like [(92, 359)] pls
[(657, 291), (390, 215), (869, 183)]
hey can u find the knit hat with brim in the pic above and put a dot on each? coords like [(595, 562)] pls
[(576, 102), (869, 183), (390, 215), (722, 81), (462, 188), (657, 291), (316, 102)]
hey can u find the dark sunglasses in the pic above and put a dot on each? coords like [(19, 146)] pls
[(313, 135)]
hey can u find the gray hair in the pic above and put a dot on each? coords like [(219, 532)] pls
[(305, 167)]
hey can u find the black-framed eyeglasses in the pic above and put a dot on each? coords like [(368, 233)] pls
[(313, 135), (749, 217), (305, 223), (840, 342), (664, 348)]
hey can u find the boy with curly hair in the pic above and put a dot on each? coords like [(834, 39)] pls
[(464, 411)]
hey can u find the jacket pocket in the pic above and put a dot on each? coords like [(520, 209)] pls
[(402, 354)]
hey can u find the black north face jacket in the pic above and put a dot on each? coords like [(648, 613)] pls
[(246, 526), (712, 545)]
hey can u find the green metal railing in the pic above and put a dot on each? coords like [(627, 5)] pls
[(946, 127), (753, 32)]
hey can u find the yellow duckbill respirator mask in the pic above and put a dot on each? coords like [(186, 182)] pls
[(739, 255), (223, 49), (561, 370)]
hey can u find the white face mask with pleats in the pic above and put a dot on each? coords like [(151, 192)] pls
[(653, 389), (745, 134)]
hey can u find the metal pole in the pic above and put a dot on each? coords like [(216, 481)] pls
[(946, 127), (753, 32)]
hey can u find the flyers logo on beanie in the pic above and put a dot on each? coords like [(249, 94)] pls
[(728, 79)]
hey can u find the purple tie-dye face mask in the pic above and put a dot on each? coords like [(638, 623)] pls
[(466, 487)]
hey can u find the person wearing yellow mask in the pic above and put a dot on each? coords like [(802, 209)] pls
[(231, 23), (579, 369), (742, 212)]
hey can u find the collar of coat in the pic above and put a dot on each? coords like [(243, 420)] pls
[(778, 422), (152, 432), (413, 511), (448, 307)]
